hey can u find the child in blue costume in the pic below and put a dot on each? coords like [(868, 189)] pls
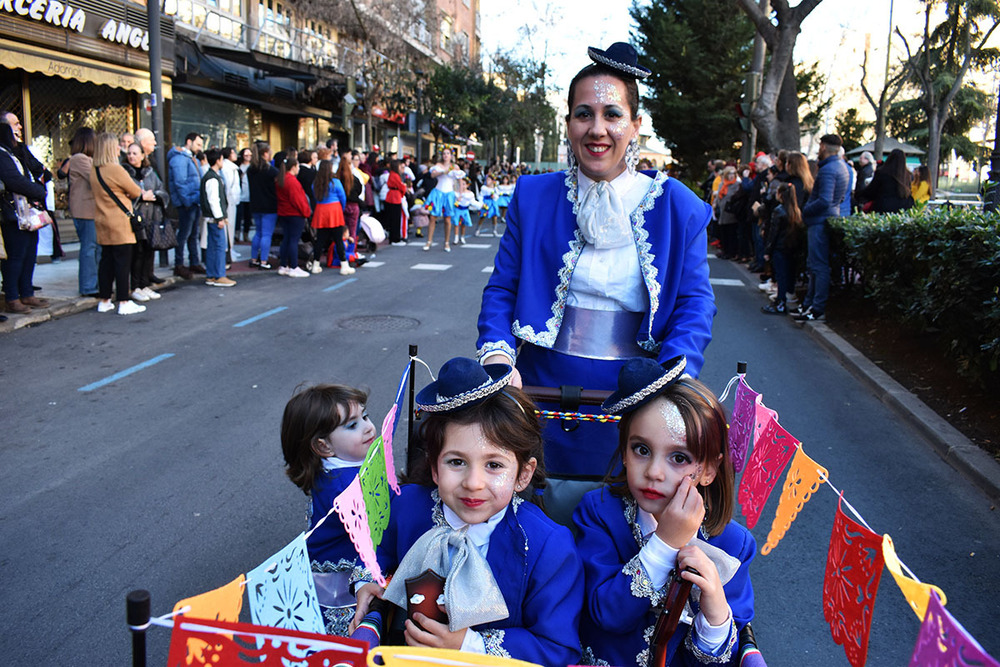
[(490, 212), (668, 507), (514, 582), (325, 435)]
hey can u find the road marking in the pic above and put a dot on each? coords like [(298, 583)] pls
[(488, 269), (339, 285), (727, 282), (125, 373), (253, 319), (478, 246), (372, 265), (431, 267)]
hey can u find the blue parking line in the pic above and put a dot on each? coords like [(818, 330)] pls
[(260, 317), (125, 373), (339, 285)]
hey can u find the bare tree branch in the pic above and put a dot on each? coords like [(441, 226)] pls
[(761, 20)]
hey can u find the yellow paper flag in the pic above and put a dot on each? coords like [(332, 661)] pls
[(804, 477), (410, 656), (222, 604), (916, 593)]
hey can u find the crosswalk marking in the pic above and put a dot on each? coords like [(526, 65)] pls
[(727, 282), (488, 269), (431, 267)]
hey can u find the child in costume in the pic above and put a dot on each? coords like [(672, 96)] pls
[(465, 200), (325, 435), (419, 216), (513, 580), (504, 191), (491, 211), (668, 506)]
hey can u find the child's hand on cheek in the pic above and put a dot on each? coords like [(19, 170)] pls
[(713, 598), (679, 521), (432, 634)]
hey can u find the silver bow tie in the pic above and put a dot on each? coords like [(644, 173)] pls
[(602, 218), (471, 594)]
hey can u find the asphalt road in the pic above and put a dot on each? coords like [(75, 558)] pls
[(170, 478)]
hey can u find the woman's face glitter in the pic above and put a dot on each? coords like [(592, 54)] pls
[(600, 126), (475, 477)]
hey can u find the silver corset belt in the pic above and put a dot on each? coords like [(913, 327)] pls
[(600, 334)]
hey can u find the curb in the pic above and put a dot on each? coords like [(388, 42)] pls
[(958, 451)]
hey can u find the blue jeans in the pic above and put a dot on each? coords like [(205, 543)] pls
[(263, 224), (291, 228), (784, 273), (19, 267), (187, 233), (90, 255), (818, 268), (215, 255)]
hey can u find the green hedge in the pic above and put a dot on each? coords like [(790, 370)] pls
[(937, 270)]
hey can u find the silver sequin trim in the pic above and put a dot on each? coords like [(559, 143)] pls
[(588, 658), (646, 257), (485, 389), (489, 348), (708, 658), (338, 620), (437, 513), (360, 574), (493, 639), (648, 390), (642, 657), (342, 565), (642, 585), (621, 67), (631, 518)]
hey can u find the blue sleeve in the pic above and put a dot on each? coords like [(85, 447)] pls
[(549, 634), (845, 205), (614, 600), (689, 327), (500, 294), (822, 196), (338, 192)]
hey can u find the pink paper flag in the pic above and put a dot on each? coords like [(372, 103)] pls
[(771, 454), (741, 428), (943, 642), (762, 415), (388, 424), (350, 507)]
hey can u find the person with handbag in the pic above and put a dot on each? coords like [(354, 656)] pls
[(153, 216), (114, 191), (21, 243)]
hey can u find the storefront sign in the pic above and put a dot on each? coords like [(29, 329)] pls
[(52, 12), (64, 15)]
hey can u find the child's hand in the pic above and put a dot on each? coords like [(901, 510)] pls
[(432, 634), (364, 596), (713, 598), (680, 519)]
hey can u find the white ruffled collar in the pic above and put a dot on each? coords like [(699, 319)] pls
[(333, 463)]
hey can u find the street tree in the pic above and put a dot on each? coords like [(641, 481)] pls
[(698, 51), (451, 94), (890, 89), (815, 99), (971, 108), (776, 114), (852, 129), (519, 84), (937, 66)]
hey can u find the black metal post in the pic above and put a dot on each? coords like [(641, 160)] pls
[(741, 368), (156, 84), (137, 616), (410, 415)]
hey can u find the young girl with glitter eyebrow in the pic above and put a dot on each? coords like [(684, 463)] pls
[(513, 580), (667, 507)]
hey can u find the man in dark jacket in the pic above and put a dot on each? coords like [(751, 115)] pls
[(829, 190), (185, 193)]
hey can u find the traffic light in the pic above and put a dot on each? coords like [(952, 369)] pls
[(743, 111)]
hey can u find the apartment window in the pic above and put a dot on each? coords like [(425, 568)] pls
[(446, 34)]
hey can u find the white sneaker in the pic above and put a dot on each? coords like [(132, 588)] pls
[(297, 273), (105, 306), (283, 270), (139, 295), (130, 308), (399, 244), (148, 291), (315, 267), (765, 286), (347, 270)]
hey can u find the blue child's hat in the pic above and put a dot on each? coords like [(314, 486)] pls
[(461, 383), (620, 56), (640, 380)]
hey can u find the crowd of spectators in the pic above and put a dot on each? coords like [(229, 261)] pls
[(772, 214)]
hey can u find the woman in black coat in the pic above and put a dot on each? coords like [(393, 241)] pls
[(21, 245), (889, 190)]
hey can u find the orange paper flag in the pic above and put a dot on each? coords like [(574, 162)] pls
[(917, 594), (222, 604), (804, 477)]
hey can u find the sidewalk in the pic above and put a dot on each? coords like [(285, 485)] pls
[(60, 286)]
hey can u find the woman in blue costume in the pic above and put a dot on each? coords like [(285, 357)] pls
[(598, 264)]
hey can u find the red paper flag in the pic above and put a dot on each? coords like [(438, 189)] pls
[(853, 570), (943, 642), (231, 644), (771, 454)]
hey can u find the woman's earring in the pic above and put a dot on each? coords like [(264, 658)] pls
[(570, 157), (632, 155)]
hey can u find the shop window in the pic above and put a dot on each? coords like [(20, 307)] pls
[(221, 123)]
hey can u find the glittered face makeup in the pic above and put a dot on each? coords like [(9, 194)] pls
[(657, 457), (475, 478), (600, 126)]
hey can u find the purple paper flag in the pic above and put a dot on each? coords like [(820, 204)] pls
[(742, 427), (944, 642)]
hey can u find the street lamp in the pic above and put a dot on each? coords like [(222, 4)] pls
[(420, 97)]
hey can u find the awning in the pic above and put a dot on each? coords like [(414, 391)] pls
[(76, 68)]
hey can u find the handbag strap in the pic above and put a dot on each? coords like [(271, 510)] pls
[(111, 194)]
